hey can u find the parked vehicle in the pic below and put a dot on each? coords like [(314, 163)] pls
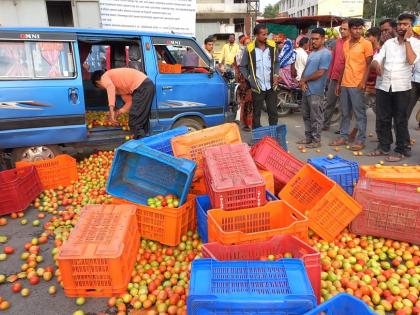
[(45, 87)]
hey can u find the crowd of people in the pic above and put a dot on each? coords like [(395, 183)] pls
[(382, 64)]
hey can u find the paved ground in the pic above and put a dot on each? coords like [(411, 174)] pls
[(40, 302)]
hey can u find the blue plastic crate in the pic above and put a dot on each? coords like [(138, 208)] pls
[(139, 172), (249, 287), (343, 172), (203, 205), (342, 304), (162, 141), (277, 132)]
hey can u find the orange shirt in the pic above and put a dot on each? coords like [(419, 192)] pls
[(355, 55), (121, 81)]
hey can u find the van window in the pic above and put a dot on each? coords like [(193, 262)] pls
[(180, 59), (36, 60)]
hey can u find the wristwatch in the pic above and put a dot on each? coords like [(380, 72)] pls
[(408, 40)]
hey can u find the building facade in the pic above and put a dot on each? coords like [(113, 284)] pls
[(345, 8)]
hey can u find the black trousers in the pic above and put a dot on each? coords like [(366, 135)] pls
[(415, 96), (393, 106), (139, 115), (270, 98)]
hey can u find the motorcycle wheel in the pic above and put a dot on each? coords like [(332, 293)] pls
[(283, 97)]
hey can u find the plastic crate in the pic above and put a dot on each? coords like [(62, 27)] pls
[(203, 205), (99, 256), (269, 180), (18, 188), (55, 172), (232, 179), (269, 156), (191, 146), (342, 304), (139, 172), (162, 141), (401, 174), (198, 187), (256, 224), (279, 244), (328, 207), (343, 172), (278, 133), (390, 210), (249, 287), (165, 225)]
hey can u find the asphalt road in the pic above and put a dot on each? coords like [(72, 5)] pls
[(40, 302)]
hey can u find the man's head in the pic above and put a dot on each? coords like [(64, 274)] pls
[(260, 33), (96, 78), (344, 29), (231, 38), (208, 44), (405, 22), (304, 43), (388, 28), (356, 28), (373, 35), (317, 38)]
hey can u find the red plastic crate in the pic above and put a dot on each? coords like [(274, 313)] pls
[(270, 156), (18, 188), (279, 244), (232, 178), (99, 256), (389, 210)]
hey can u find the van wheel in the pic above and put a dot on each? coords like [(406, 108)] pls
[(36, 153), (191, 123)]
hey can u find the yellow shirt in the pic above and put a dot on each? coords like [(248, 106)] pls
[(229, 53)]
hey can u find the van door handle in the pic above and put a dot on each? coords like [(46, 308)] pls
[(167, 88), (73, 95)]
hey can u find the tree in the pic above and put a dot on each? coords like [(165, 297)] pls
[(390, 8), (271, 11)]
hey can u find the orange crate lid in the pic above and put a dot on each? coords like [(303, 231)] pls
[(192, 145), (99, 232), (328, 207), (401, 174), (256, 224)]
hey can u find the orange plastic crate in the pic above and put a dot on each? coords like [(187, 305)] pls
[(328, 207), (400, 174), (198, 187), (269, 180), (165, 225), (170, 68), (55, 172), (192, 145), (256, 224), (98, 258)]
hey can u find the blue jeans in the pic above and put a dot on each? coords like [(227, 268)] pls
[(353, 100)]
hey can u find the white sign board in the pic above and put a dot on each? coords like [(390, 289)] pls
[(162, 16)]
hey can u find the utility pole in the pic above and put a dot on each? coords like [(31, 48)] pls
[(252, 10), (374, 15)]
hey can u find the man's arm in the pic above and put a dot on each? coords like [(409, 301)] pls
[(314, 76), (128, 102), (222, 56), (244, 66), (362, 84), (378, 59), (412, 56)]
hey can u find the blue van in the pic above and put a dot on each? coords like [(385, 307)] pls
[(45, 87)]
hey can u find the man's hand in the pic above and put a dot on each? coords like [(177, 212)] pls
[(303, 85), (362, 86), (385, 37), (337, 90), (408, 33), (121, 111), (112, 117), (378, 69)]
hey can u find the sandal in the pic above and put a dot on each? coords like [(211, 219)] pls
[(338, 142), (304, 141), (395, 157), (313, 145), (377, 152), (357, 146)]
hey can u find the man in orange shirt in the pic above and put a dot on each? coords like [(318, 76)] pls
[(137, 92), (358, 54)]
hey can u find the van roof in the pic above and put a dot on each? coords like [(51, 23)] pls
[(90, 31)]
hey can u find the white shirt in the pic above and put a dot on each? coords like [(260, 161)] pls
[(397, 72), (263, 65), (300, 63), (416, 72)]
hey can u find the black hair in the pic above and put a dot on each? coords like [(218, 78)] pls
[(407, 16), (391, 22), (303, 41), (374, 31), (240, 37), (96, 76), (356, 23), (258, 28), (232, 35), (209, 40), (319, 31)]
